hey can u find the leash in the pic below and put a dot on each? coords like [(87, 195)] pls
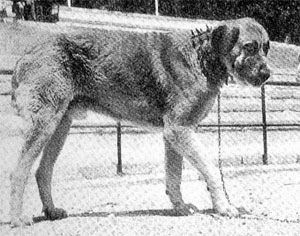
[(220, 148), (244, 215), (251, 216)]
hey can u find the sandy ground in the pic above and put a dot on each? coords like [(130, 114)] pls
[(101, 203), (126, 206)]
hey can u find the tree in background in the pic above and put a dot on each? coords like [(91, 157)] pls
[(280, 18), (136, 6)]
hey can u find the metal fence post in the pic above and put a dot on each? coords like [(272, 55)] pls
[(264, 125), (156, 8), (119, 165), (219, 128)]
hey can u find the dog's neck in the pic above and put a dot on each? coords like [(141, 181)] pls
[(211, 64), (203, 58), (213, 67)]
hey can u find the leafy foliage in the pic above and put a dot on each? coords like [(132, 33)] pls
[(280, 18)]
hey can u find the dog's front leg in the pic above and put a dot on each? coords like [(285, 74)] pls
[(173, 166), (183, 141)]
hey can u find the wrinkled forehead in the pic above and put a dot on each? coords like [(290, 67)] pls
[(253, 32)]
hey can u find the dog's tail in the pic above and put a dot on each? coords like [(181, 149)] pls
[(17, 76)]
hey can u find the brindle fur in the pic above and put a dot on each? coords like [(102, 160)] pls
[(167, 80)]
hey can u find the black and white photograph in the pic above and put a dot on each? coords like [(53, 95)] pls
[(149, 117)]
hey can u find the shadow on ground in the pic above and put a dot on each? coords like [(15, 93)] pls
[(135, 213), (153, 212)]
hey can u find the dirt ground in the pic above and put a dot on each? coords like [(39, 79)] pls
[(102, 203), (137, 205)]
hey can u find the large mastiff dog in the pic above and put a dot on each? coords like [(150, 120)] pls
[(167, 80)]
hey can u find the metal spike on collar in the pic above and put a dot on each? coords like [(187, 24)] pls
[(199, 32), (208, 29)]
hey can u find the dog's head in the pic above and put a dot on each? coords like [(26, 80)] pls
[(241, 54)]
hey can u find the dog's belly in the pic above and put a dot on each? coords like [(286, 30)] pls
[(136, 111), (140, 110)]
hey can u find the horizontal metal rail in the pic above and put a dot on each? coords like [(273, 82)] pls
[(99, 126), (198, 126), (264, 124), (6, 72), (247, 125), (282, 83)]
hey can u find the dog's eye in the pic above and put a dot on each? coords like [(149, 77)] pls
[(251, 48), (266, 47)]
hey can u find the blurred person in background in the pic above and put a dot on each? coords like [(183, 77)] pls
[(288, 39), (3, 13), (18, 9), (24, 9), (29, 10)]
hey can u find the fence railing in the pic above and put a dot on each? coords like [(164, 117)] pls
[(263, 124)]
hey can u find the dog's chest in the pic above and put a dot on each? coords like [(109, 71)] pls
[(195, 108), (206, 107)]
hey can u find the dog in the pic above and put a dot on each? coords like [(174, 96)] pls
[(165, 80)]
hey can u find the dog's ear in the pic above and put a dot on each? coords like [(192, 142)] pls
[(224, 39)]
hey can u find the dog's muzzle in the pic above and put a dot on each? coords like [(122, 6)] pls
[(263, 73), (259, 78), (252, 70)]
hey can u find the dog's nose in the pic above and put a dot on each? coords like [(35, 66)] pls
[(264, 73)]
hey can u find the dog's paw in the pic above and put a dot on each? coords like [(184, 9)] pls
[(55, 213), (244, 211), (20, 221), (226, 210), (183, 209)]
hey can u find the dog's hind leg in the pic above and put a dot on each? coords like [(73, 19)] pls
[(44, 172), (42, 119)]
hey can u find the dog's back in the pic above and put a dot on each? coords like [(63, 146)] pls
[(110, 70)]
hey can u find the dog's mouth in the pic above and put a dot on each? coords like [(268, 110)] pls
[(257, 82), (255, 76), (250, 80), (260, 77)]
